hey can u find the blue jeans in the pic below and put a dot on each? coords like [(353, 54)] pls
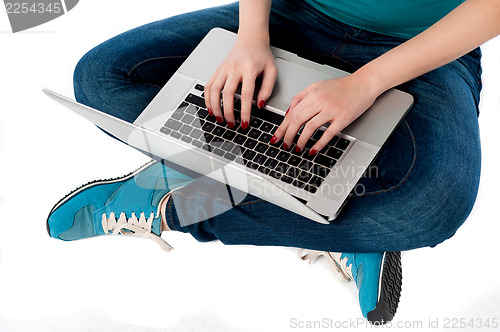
[(428, 172)]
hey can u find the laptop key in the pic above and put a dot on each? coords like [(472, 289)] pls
[(265, 137), (305, 176), (218, 152), (206, 147), (283, 156), (230, 156), (197, 143), (207, 137), (333, 152), (191, 109), (249, 154), (315, 181), (342, 144), (252, 165), (186, 139), (227, 146), (275, 174), (271, 163), (325, 161), (207, 127), (294, 160), (173, 124), (197, 123), (255, 122), (264, 170), (250, 143), (333, 141), (260, 159), (175, 134), (217, 142), (272, 152), (320, 170), (282, 167), (239, 139), (202, 113), (219, 131), (165, 130), (298, 184), (286, 179), (178, 114), (254, 133), (267, 127), (229, 135), (199, 87), (261, 147), (198, 101), (310, 189), (186, 129), (238, 150), (196, 133), (293, 172)]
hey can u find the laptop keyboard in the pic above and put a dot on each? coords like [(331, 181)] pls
[(192, 124)]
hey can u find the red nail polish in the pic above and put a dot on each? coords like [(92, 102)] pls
[(261, 103), (288, 110), (230, 125), (285, 146), (297, 149), (244, 124), (273, 139), (219, 119), (313, 152), (210, 112)]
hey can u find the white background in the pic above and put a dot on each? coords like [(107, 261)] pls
[(117, 284)]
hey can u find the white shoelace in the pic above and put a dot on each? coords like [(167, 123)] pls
[(140, 227), (339, 266)]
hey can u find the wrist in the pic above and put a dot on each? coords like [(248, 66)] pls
[(370, 82)]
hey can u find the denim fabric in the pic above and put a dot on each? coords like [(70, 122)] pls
[(428, 172)]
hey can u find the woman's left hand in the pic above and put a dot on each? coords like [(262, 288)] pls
[(337, 101)]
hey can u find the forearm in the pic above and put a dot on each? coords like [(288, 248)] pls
[(465, 28), (254, 20)]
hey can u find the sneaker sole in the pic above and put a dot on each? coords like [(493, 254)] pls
[(92, 184), (390, 289)]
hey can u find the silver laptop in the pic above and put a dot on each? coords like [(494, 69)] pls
[(176, 127)]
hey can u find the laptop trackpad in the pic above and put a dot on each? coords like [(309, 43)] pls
[(293, 78)]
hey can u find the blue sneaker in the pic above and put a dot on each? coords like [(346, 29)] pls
[(378, 277), (129, 205)]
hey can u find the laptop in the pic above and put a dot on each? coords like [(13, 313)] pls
[(177, 129)]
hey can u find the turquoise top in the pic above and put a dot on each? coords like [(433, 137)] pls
[(400, 18)]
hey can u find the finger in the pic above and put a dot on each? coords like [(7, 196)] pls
[(309, 129), (215, 92), (228, 99), (247, 89), (269, 79), (301, 114), (334, 128)]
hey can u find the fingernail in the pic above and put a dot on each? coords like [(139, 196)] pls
[(261, 103), (273, 139), (210, 112), (230, 125), (285, 146), (244, 124), (313, 152), (219, 119), (288, 110), (297, 149)]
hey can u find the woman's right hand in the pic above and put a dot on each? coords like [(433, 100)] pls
[(250, 58)]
